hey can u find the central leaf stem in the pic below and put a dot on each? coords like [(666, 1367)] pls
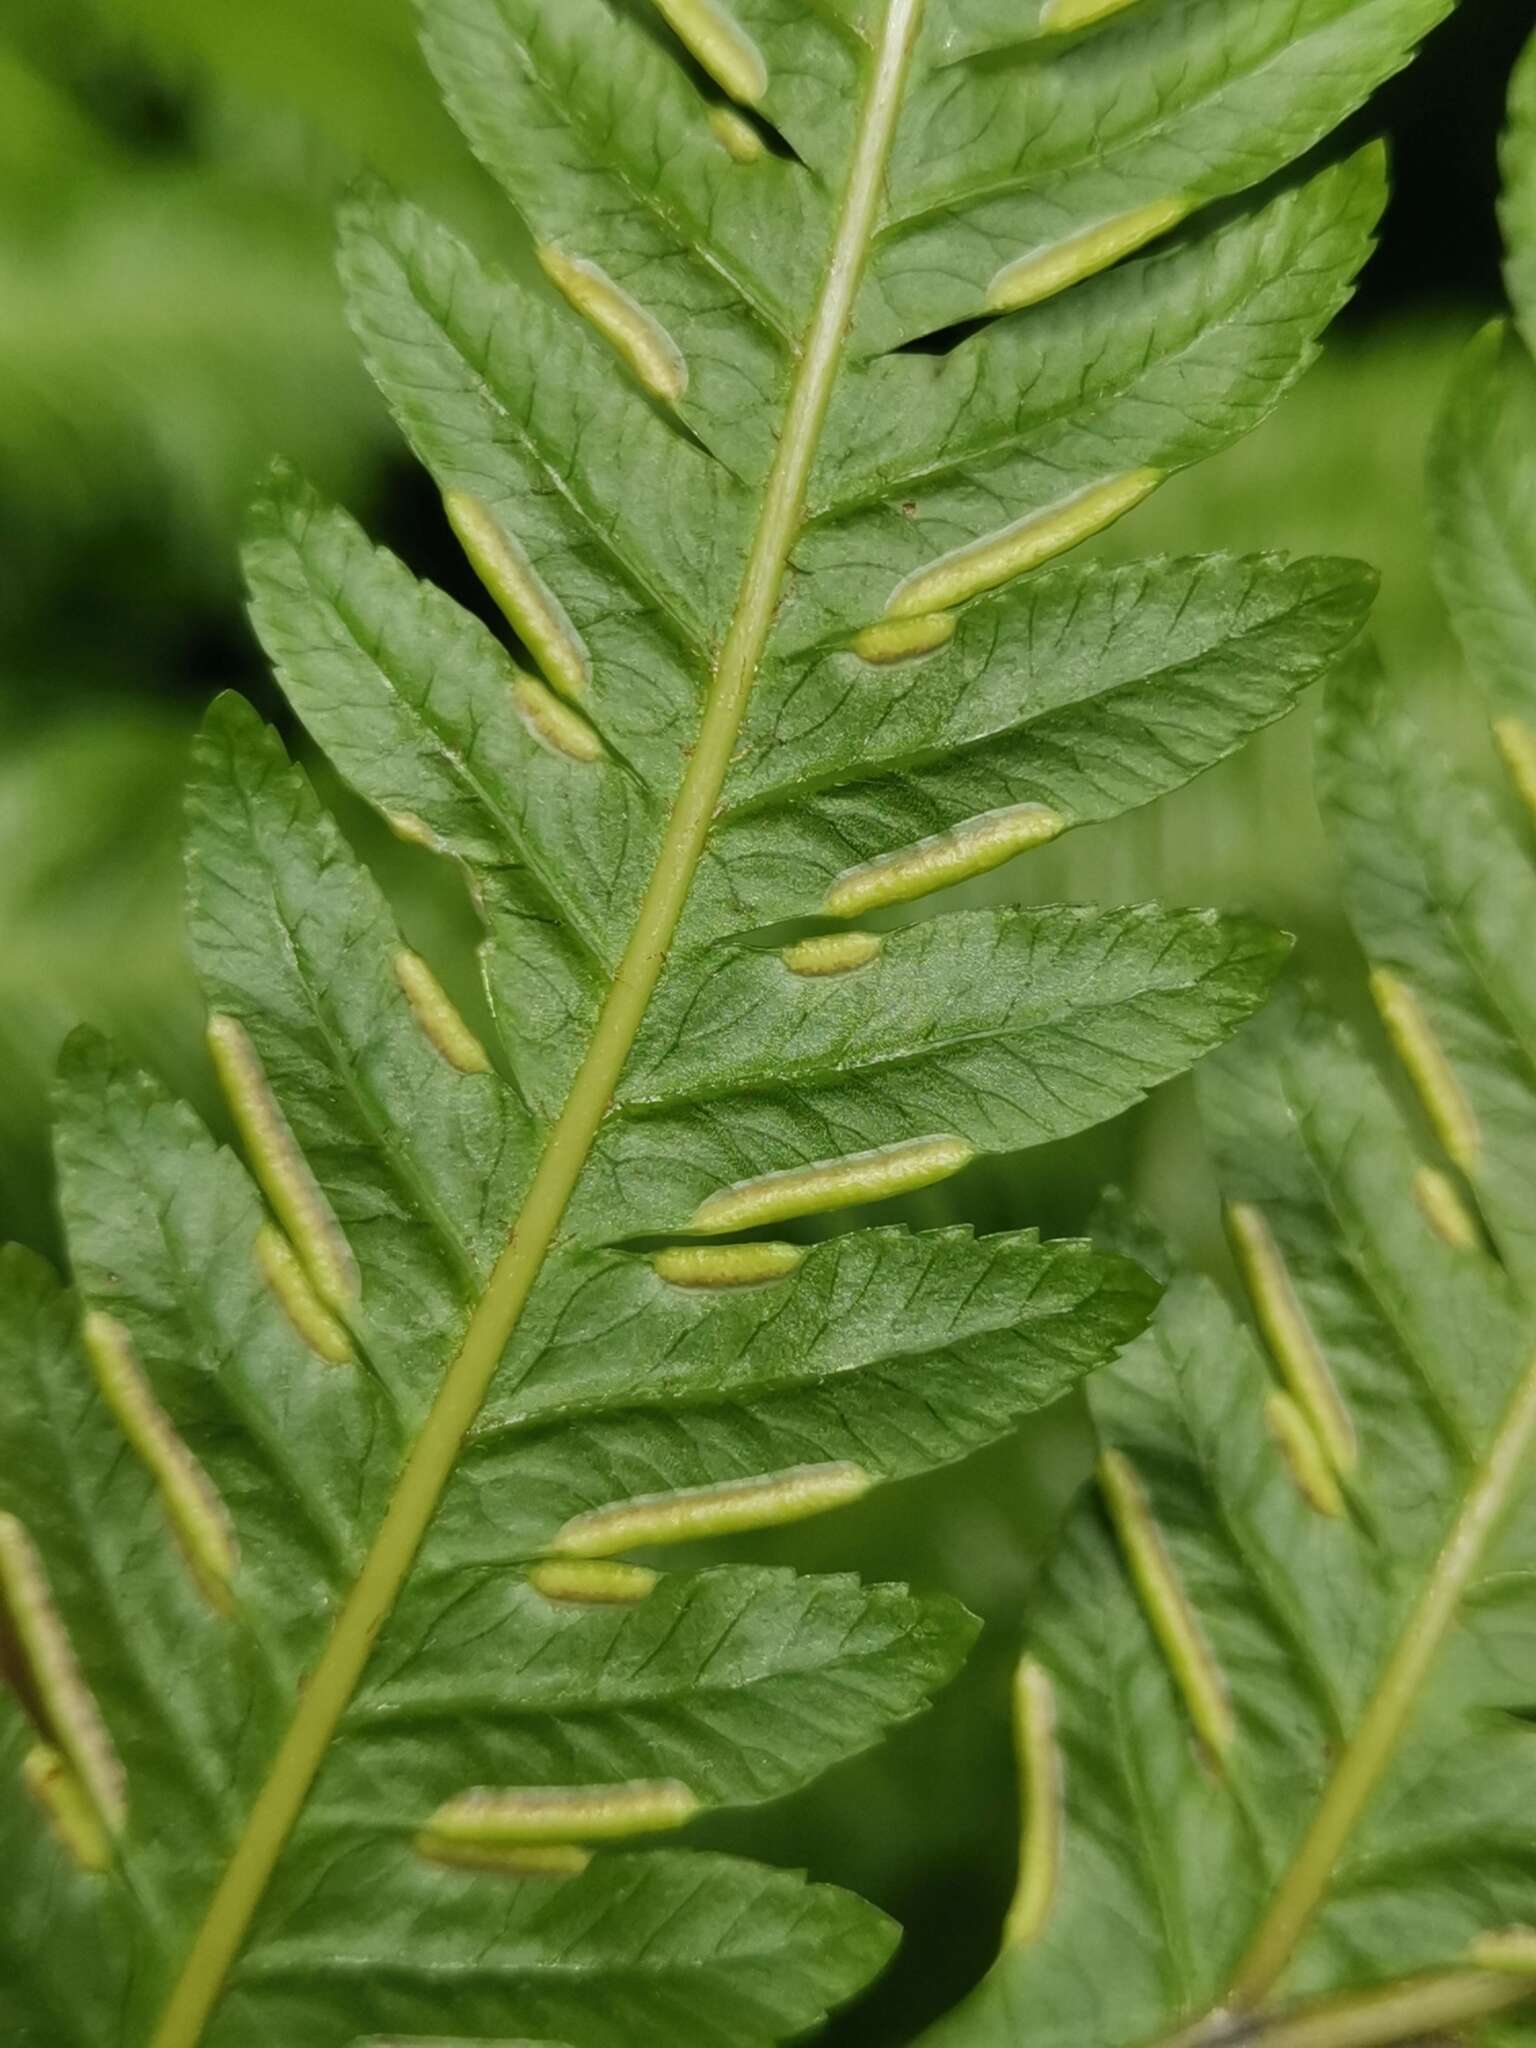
[(469, 1378), (1364, 1763)]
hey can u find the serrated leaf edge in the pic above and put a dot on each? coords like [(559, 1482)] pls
[(468, 1379)]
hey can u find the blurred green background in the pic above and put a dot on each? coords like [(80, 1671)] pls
[(169, 319)]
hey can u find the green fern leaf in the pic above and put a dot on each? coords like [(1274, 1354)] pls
[(1274, 1720), (1273, 1717), (1270, 1718), (338, 1691)]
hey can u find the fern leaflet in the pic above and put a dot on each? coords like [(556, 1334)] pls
[(336, 1684), (1274, 1722)]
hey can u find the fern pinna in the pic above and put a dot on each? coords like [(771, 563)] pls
[(335, 1681), (1275, 1719)]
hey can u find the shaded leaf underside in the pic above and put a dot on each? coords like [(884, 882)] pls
[(774, 664), (1275, 1723), (1291, 1751)]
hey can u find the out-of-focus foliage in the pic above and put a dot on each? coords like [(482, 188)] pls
[(1339, 470), (118, 494), (1319, 1671), (1270, 1719), (168, 306), (344, 76), (334, 1523), (922, 1826), (169, 314), (89, 914), (1330, 466)]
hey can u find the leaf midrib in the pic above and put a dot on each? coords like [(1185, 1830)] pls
[(427, 1472), (1306, 1882)]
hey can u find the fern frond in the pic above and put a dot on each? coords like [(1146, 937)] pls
[(373, 1420), (1271, 1716), (1274, 1721)]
